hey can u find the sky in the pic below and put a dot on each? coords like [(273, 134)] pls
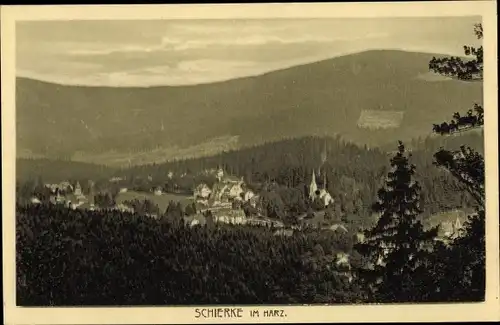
[(185, 52)]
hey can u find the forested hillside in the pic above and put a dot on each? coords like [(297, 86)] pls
[(117, 258), (353, 173), (369, 98)]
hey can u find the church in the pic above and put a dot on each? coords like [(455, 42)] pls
[(316, 193), (322, 194)]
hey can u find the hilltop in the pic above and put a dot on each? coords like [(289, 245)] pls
[(372, 98)]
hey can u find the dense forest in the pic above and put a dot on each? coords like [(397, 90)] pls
[(73, 257)]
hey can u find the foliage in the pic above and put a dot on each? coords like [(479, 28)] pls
[(397, 246), (474, 118), (78, 257), (456, 67), (104, 200), (143, 206), (463, 263)]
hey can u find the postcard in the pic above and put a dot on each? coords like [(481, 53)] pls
[(246, 163)]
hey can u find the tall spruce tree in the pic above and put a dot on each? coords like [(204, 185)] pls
[(463, 263), (397, 247)]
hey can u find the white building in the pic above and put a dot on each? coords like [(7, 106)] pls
[(338, 227), (219, 174), (342, 259), (66, 186), (323, 195), (236, 217), (35, 200), (78, 190), (313, 187), (235, 190), (248, 195), (202, 191)]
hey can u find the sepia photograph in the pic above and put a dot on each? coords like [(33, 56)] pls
[(276, 161)]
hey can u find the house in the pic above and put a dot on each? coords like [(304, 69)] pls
[(202, 191), (219, 174), (78, 192), (35, 200), (337, 227), (360, 237), (52, 187), (57, 198), (266, 222), (235, 190), (450, 224), (229, 216), (342, 260), (123, 208), (248, 195), (254, 200), (65, 186), (450, 229), (75, 205), (325, 197), (219, 194), (195, 220)]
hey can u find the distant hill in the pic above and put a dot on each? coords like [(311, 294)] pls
[(372, 98)]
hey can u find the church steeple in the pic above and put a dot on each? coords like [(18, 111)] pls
[(313, 187)]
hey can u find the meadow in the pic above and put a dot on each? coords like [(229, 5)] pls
[(161, 200)]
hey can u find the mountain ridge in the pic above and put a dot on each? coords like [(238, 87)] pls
[(327, 97), (231, 79)]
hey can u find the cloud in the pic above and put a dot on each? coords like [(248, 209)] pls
[(184, 73), (174, 52), (190, 41), (251, 40), (259, 39), (82, 51)]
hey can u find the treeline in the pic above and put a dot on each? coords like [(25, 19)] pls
[(73, 257), (473, 118), (54, 171)]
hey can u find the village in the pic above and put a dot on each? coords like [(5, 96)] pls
[(228, 201)]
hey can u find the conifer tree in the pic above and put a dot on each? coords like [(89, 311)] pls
[(464, 262), (397, 246)]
